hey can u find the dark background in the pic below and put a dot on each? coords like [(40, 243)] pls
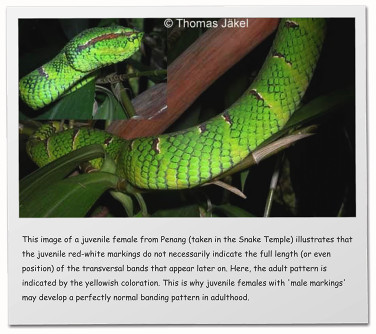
[(318, 173)]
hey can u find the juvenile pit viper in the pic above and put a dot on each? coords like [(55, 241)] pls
[(194, 156), (77, 63)]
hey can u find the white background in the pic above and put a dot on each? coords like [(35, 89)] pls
[(371, 11)]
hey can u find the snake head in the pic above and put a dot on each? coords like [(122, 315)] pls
[(98, 47)]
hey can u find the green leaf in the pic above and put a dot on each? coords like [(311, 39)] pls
[(71, 197), (57, 170), (141, 202), (110, 109), (243, 178), (322, 105), (315, 109), (232, 211), (109, 165), (125, 200), (184, 211)]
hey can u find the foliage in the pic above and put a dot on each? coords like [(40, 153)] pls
[(316, 174)]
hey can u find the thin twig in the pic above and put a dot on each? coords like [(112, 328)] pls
[(114, 78), (142, 204)]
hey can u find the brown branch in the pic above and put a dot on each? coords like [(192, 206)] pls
[(190, 74)]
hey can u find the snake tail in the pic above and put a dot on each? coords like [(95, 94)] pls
[(77, 62), (194, 156)]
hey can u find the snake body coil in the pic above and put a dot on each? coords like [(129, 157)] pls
[(77, 62), (194, 156)]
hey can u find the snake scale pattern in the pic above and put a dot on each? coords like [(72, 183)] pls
[(194, 156), (77, 63)]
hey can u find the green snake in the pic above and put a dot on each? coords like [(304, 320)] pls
[(77, 63), (197, 155)]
